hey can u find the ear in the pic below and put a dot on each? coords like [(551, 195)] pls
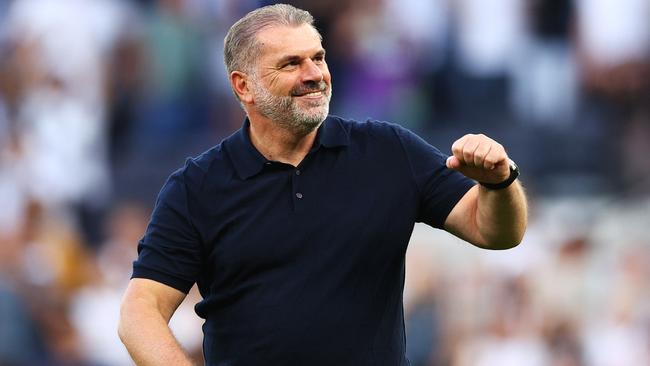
[(239, 83)]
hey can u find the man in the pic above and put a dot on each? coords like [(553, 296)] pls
[(295, 227)]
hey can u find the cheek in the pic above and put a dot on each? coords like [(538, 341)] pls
[(326, 74), (281, 88), (275, 81), (325, 70)]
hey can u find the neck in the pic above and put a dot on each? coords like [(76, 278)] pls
[(278, 144)]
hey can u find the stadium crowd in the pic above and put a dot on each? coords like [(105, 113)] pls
[(101, 99)]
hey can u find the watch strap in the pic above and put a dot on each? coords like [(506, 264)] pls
[(514, 174)]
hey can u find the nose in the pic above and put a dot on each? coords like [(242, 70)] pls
[(312, 72)]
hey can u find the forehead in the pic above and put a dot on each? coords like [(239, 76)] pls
[(279, 41)]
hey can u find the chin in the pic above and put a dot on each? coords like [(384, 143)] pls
[(307, 124)]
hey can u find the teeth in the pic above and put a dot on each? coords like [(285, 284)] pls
[(312, 94)]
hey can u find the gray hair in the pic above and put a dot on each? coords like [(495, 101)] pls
[(241, 46)]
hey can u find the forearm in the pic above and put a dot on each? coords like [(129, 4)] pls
[(488, 218), (501, 216), (147, 337)]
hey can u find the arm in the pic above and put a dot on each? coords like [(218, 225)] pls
[(491, 219), (146, 309)]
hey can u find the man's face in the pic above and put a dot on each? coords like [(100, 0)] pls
[(291, 84)]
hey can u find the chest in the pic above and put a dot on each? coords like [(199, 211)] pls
[(332, 210)]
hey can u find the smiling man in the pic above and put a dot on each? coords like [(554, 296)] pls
[(296, 226), (301, 100)]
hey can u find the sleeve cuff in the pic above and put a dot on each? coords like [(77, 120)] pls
[(164, 278)]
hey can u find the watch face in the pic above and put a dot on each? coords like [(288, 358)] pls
[(514, 170), (512, 164)]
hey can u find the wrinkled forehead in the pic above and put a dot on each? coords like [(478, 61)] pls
[(280, 41)]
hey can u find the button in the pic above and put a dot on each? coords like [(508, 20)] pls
[(299, 195), (267, 163), (298, 172)]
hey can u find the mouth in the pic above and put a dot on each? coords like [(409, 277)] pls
[(314, 94)]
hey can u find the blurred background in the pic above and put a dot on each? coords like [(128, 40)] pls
[(100, 100)]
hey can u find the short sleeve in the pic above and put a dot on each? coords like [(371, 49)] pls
[(171, 250), (440, 188)]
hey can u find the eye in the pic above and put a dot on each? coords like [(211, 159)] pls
[(319, 59), (291, 64)]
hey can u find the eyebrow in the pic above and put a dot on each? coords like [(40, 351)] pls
[(292, 58)]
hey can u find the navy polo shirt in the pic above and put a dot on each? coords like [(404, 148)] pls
[(300, 265)]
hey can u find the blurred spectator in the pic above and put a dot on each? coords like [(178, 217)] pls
[(94, 309), (545, 79), (485, 36), (635, 169), (620, 335), (510, 336), (421, 309), (488, 35), (562, 289), (372, 74), (563, 344), (626, 37), (20, 339), (60, 111), (174, 80), (615, 59)]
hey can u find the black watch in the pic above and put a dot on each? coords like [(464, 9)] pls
[(514, 173)]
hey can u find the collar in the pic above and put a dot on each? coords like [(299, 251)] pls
[(248, 161), (332, 134)]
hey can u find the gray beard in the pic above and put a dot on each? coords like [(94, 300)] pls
[(284, 111)]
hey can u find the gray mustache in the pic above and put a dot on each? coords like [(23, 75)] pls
[(309, 87)]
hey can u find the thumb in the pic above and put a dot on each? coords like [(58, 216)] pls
[(453, 163)]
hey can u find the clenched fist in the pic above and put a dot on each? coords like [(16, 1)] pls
[(480, 158)]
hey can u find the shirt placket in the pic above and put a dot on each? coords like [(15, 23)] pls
[(297, 189)]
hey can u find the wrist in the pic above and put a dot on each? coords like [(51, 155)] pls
[(514, 174)]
